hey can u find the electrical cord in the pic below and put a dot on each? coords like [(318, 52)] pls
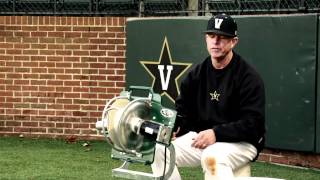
[(165, 162)]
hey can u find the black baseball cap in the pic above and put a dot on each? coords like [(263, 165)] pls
[(222, 24)]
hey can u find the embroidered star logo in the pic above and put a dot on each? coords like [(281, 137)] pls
[(165, 73), (214, 96)]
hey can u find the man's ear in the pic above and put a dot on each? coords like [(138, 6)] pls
[(235, 41)]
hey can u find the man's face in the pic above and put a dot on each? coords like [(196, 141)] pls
[(219, 46)]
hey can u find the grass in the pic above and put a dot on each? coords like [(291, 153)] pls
[(22, 158)]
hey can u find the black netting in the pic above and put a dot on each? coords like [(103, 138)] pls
[(5, 6), (156, 7), (290, 5), (164, 7), (222, 6), (262, 6), (259, 6), (118, 7), (312, 5), (33, 6), (74, 7)]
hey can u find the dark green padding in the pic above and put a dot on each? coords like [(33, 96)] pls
[(282, 48)]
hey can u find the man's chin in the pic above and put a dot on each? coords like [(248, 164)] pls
[(216, 55)]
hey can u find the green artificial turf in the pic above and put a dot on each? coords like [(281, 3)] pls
[(23, 158)]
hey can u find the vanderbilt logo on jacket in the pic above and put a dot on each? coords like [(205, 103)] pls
[(165, 72), (214, 96)]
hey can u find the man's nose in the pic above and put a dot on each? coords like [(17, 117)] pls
[(215, 40)]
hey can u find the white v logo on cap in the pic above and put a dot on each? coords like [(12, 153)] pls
[(217, 23)]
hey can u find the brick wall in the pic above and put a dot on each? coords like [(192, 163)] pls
[(57, 72), (293, 158)]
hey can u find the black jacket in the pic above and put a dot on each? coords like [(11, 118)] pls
[(229, 100)]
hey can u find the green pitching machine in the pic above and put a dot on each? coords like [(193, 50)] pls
[(133, 125)]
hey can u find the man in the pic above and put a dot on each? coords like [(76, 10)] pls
[(220, 121)]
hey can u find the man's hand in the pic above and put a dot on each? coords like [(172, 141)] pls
[(204, 139), (174, 134)]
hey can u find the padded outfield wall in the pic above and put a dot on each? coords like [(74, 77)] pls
[(284, 49)]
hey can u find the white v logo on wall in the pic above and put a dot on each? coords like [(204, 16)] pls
[(165, 72), (217, 23), (165, 81)]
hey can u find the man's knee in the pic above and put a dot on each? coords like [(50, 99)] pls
[(215, 166), (215, 154), (222, 158), (211, 160)]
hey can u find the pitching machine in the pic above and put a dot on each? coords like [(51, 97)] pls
[(133, 125)]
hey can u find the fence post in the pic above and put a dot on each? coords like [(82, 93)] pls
[(141, 8), (239, 6), (193, 7)]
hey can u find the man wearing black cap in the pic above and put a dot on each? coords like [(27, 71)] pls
[(220, 122)]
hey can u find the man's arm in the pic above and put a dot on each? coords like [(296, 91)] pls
[(249, 126)]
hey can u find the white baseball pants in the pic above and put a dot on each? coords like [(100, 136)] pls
[(218, 160)]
